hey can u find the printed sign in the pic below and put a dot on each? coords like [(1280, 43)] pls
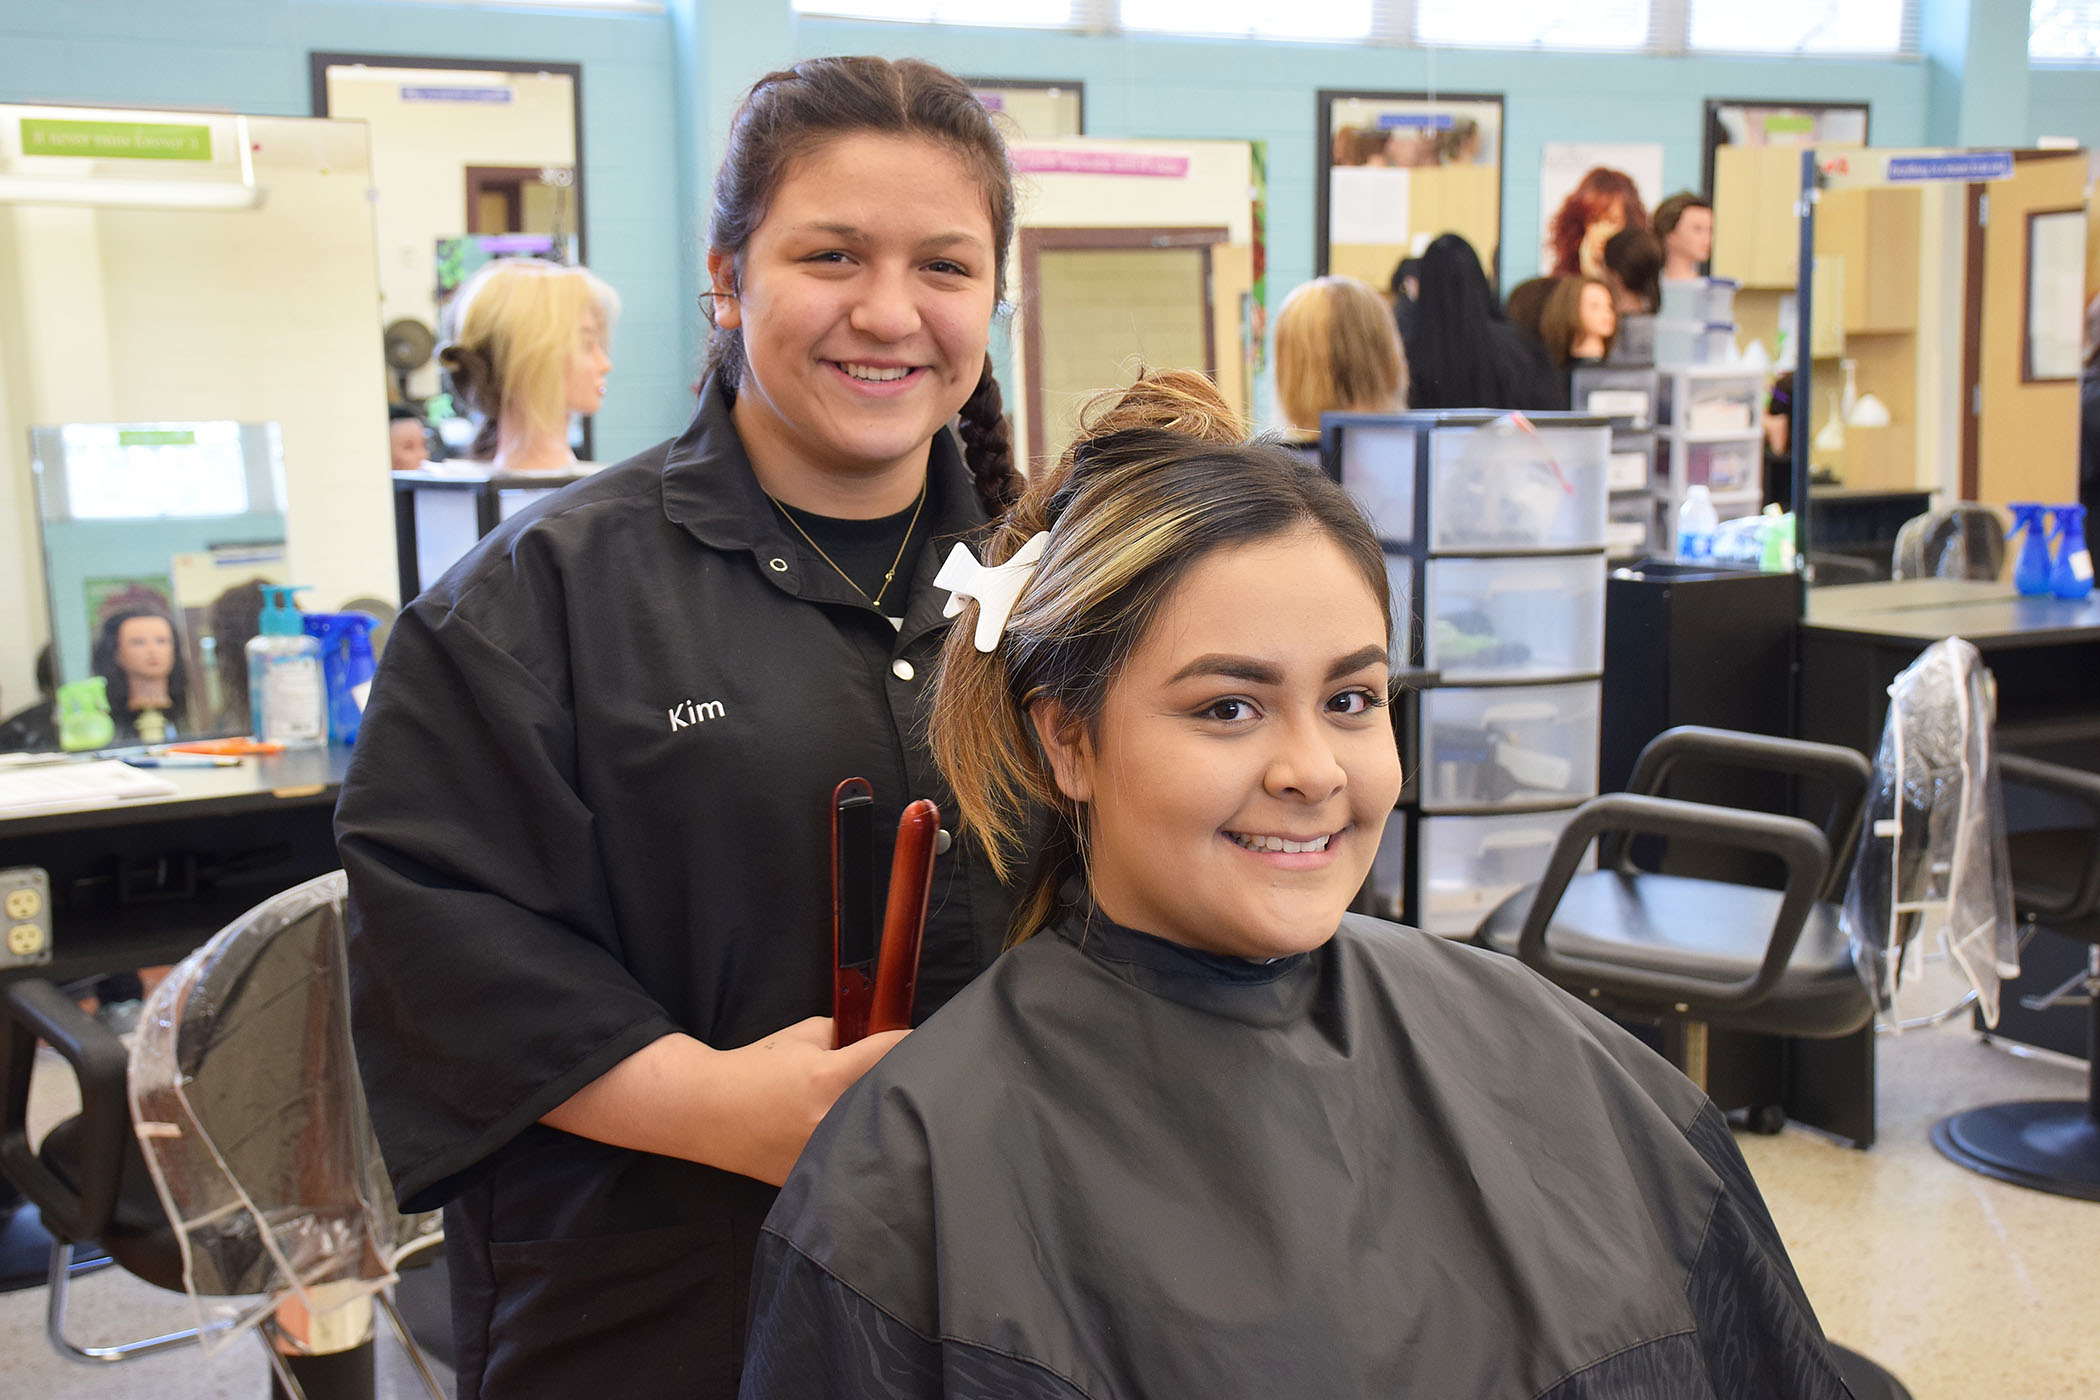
[(1962, 167), (1415, 121), (455, 94), (1069, 162), (49, 136)]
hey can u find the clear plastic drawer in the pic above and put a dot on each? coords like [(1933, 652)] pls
[(1400, 581), (1632, 459), (1713, 401), (1385, 891), (1378, 470), (1469, 865), (1514, 619), (1724, 466), (1614, 391), (1708, 299), (1508, 746), (1502, 487), (1680, 343), (1631, 529)]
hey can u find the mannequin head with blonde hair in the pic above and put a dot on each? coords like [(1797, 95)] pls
[(529, 347), (1337, 349)]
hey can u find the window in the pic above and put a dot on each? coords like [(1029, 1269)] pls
[(2064, 31), (1303, 19), (1802, 26), (1038, 14), (1555, 24)]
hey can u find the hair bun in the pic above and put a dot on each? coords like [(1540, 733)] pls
[(1182, 401), (468, 373)]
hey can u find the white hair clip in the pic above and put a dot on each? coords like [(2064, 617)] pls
[(995, 588)]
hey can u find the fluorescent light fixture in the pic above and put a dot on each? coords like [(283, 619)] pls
[(130, 194)]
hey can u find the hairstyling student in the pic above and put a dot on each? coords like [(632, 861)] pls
[(1202, 1132), (587, 826)]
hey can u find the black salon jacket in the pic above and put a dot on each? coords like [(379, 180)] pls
[(589, 806), (1392, 1167)]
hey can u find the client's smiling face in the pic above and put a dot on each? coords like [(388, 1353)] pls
[(1243, 765)]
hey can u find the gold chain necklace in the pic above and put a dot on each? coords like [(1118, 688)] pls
[(876, 600)]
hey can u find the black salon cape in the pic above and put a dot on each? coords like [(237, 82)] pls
[(588, 807), (1394, 1166)]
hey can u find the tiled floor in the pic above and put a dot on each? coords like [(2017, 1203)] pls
[(1962, 1286)]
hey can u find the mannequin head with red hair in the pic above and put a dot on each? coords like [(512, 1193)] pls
[(1605, 202)]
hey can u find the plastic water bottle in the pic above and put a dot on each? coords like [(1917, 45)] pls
[(2031, 574), (1697, 520), (2072, 576)]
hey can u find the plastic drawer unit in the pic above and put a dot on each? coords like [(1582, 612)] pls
[(1469, 865), (1711, 402), (1378, 471), (1515, 619), (1508, 746), (1502, 488)]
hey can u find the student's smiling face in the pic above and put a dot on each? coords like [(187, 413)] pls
[(1249, 719), (865, 301)]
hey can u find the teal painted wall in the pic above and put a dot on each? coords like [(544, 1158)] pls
[(2064, 102)]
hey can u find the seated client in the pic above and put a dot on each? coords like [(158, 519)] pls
[(1200, 1132)]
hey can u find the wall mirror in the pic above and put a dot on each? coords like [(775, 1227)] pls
[(471, 159), (189, 392), (1396, 169), (1918, 325)]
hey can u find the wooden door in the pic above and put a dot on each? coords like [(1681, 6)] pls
[(2022, 441)]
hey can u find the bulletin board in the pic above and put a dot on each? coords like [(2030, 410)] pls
[(1396, 169)]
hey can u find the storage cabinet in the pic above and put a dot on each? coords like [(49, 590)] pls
[(1495, 537)]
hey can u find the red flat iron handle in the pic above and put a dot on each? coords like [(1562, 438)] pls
[(904, 923)]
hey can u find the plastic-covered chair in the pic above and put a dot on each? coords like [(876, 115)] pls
[(228, 1154), (1964, 541)]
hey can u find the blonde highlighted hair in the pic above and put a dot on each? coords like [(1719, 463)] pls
[(516, 323), (1337, 349), (1158, 479)]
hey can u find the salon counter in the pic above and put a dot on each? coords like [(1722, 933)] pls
[(143, 881)]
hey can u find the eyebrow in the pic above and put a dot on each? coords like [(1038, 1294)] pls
[(1246, 668), (860, 235)]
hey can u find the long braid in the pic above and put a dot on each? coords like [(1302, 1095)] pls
[(988, 445)]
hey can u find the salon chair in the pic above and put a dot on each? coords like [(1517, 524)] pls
[(2048, 1144), (264, 1184), (1965, 541), (1694, 953)]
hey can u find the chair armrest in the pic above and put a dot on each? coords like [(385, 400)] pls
[(1797, 843), (35, 1009), (2077, 786), (1848, 772)]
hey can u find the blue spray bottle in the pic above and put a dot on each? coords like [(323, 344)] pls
[(346, 667), (2073, 574), (2031, 574)]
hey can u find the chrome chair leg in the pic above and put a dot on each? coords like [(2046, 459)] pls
[(55, 1319)]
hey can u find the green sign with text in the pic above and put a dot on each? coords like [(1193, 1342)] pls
[(162, 437), (47, 136)]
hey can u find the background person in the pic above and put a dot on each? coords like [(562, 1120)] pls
[(408, 441), (529, 348), (1633, 263), (590, 941), (1461, 352)]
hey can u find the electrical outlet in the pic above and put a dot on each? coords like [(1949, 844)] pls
[(25, 903)]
